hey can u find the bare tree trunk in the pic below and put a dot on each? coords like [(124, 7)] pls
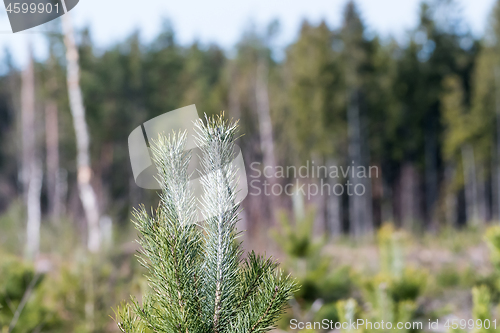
[(482, 205), (451, 205), (496, 172), (333, 207), (86, 192), (409, 197), (265, 130), (235, 111), (354, 128), (264, 115), (360, 216), (431, 177), (31, 169), (52, 146), (471, 196)]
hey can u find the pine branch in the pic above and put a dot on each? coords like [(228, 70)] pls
[(216, 141), (255, 268), (266, 313), (198, 282)]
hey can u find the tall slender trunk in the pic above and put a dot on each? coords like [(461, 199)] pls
[(470, 182), (409, 196), (431, 176), (354, 128), (84, 173), (496, 159), (451, 204), (264, 114), (360, 210), (333, 206), (31, 168), (482, 204), (52, 159), (235, 111), (265, 130)]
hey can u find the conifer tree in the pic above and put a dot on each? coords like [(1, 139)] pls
[(198, 283)]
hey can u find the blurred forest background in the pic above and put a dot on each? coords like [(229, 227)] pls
[(426, 112)]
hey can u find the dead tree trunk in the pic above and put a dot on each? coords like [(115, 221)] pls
[(31, 168), (264, 115), (265, 129), (84, 173), (52, 147)]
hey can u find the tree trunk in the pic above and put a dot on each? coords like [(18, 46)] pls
[(84, 173), (52, 146), (470, 183), (360, 216), (451, 205), (264, 115), (333, 207), (265, 132), (31, 169), (235, 111), (496, 172), (482, 204), (409, 196), (431, 176)]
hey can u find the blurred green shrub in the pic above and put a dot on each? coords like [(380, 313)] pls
[(348, 311), (392, 294), (492, 237), (321, 283), (481, 309), (24, 299)]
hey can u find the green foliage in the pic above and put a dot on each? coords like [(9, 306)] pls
[(390, 244), (481, 308), (24, 305), (348, 311), (328, 311), (12, 234), (297, 240), (198, 281), (393, 292), (492, 237), (448, 276), (305, 259), (320, 282)]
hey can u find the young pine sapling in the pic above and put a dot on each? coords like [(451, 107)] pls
[(198, 281)]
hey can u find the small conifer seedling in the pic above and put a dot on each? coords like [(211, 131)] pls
[(197, 277)]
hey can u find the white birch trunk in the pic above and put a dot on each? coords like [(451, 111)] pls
[(31, 169), (87, 194)]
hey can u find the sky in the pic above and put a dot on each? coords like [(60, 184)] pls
[(223, 21)]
